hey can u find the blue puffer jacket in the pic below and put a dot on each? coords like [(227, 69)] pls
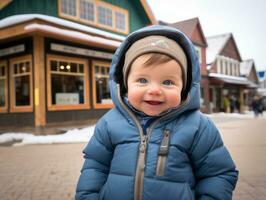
[(182, 156)]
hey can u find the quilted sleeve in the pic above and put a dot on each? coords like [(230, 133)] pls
[(98, 155), (215, 171)]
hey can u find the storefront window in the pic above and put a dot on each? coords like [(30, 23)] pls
[(21, 84), (102, 97), (68, 83), (22, 90), (3, 86)]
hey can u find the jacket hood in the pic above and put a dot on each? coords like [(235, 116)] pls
[(191, 92)]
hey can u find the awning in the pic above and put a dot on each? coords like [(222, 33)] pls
[(234, 80), (252, 85)]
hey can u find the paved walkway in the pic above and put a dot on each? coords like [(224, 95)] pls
[(43, 172)]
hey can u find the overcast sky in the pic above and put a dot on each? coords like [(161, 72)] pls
[(245, 19)]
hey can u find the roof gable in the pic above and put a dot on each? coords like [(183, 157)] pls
[(247, 69), (193, 30), (230, 49), (223, 44)]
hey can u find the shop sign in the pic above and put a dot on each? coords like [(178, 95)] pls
[(12, 50), (80, 51), (67, 98)]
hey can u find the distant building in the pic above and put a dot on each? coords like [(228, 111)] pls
[(192, 29), (225, 80), (248, 70), (55, 57)]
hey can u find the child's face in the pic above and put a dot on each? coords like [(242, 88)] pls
[(155, 88)]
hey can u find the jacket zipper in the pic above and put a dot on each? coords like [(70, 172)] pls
[(140, 168), (162, 153)]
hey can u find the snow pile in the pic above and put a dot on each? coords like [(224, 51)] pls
[(71, 136)]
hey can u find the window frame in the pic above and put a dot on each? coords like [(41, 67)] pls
[(13, 107), (95, 104), (78, 18), (95, 23), (4, 109), (86, 104)]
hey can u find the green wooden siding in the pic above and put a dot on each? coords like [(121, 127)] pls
[(137, 16), (45, 7)]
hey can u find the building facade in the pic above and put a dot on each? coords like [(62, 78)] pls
[(248, 71), (227, 86), (192, 29), (54, 64)]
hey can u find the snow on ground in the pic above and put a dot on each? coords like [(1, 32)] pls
[(71, 136), (82, 135)]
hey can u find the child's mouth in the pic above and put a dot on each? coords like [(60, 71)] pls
[(154, 102)]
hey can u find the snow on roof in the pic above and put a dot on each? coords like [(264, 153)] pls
[(16, 19), (215, 45), (246, 66), (73, 34), (218, 75)]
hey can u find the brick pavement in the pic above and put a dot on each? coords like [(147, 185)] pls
[(39, 172), (43, 172)]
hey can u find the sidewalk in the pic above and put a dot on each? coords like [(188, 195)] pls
[(42, 172), (246, 141)]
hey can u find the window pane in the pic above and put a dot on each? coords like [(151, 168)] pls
[(105, 16), (68, 7), (22, 90), (87, 10), (63, 66), (103, 70), (67, 89), (21, 68), (27, 65), (73, 67), (120, 21), (2, 71), (15, 68), (97, 69), (53, 65), (102, 88), (2, 93), (81, 68)]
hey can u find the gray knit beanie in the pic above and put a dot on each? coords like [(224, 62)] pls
[(155, 44)]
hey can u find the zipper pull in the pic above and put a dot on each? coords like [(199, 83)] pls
[(163, 150), (142, 146)]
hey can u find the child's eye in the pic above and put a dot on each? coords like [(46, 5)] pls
[(142, 80), (168, 82)]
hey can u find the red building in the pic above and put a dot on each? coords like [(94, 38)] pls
[(192, 29)]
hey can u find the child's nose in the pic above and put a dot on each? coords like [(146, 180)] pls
[(154, 90)]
